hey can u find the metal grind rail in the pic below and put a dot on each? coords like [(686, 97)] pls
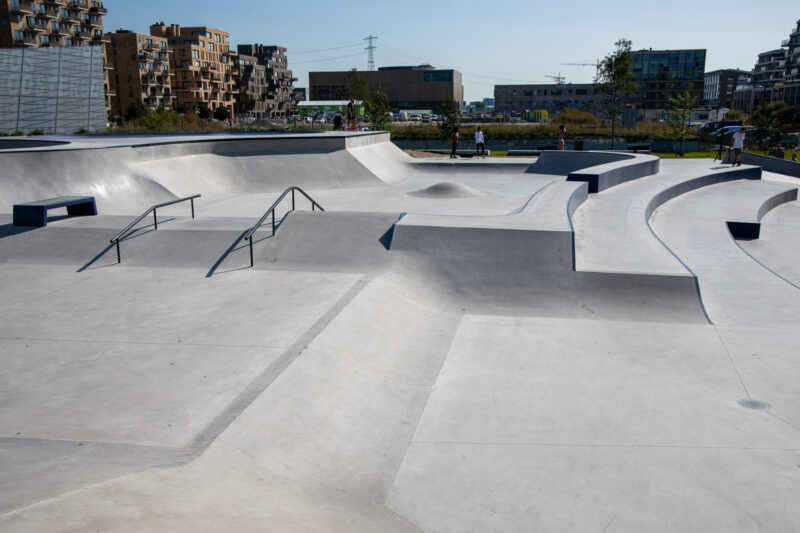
[(152, 208), (271, 211)]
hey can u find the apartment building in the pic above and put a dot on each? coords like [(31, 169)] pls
[(45, 23), (142, 72), (280, 102), (253, 88), (720, 86), (776, 77), (204, 66)]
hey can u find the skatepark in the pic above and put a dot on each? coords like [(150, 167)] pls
[(580, 341)]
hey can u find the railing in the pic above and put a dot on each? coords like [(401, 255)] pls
[(271, 211), (118, 236)]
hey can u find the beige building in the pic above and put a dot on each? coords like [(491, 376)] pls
[(40, 23), (205, 71), (142, 71)]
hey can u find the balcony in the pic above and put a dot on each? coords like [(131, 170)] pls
[(27, 40), (82, 34), (99, 9), (38, 26), (94, 22), (108, 66), (73, 18), (100, 38), (23, 7), (80, 5), (144, 56), (50, 14), (62, 3)]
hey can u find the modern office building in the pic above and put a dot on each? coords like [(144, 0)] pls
[(53, 90), (659, 75), (550, 97), (720, 86), (205, 71), (53, 23), (280, 102), (142, 72), (251, 81), (420, 87)]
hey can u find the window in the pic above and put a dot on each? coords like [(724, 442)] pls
[(4, 19), (437, 76), (195, 54)]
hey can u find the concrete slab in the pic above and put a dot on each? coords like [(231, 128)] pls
[(468, 378)]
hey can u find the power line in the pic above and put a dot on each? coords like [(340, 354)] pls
[(327, 49), (325, 59)]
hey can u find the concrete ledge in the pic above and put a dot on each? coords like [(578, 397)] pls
[(602, 177), (738, 173), (770, 164), (749, 227), (563, 163)]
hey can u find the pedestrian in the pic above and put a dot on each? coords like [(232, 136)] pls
[(337, 122), (779, 152), (351, 116), (738, 145), (480, 146), (794, 157), (562, 132), (453, 143)]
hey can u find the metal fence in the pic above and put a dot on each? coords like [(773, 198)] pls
[(54, 90)]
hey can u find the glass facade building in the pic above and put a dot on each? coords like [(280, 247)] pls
[(659, 75)]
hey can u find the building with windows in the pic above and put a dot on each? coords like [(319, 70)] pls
[(421, 87), (251, 81), (142, 72), (720, 85), (280, 102), (53, 23), (204, 66), (776, 77), (550, 97), (659, 75)]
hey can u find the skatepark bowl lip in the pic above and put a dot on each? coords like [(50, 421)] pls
[(451, 345)]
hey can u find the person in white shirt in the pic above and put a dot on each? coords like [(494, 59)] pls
[(480, 146), (738, 145)]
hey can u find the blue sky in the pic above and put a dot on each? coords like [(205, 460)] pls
[(490, 42)]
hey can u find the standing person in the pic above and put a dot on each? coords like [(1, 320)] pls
[(480, 147), (351, 116), (337, 122), (453, 143), (794, 157), (562, 132), (738, 145)]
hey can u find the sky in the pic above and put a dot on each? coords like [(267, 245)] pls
[(500, 42)]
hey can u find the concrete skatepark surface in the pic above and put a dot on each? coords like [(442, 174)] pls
[(469, 345)]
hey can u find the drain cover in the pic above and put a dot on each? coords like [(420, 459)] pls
[(753, 404)]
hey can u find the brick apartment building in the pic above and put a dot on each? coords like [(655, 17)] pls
[(53, 23), (279, 101), (142, 71), (253, 88), (205, 70)]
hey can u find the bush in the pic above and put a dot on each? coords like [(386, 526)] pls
[(37, 131)]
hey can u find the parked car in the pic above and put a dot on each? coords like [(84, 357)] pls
[(792, 140)]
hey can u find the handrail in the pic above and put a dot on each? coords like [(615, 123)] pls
[(271, 210), (152, 208)]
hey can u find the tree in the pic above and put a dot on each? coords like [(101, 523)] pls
[(203, 111), (615, 81), (222, 113), (680, 115), (357, 86), (735, 114), (773, 122), (136, 111), (450, 117), (376, 108)]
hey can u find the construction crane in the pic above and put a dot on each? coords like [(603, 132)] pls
[(596, 64), (558, 78)]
